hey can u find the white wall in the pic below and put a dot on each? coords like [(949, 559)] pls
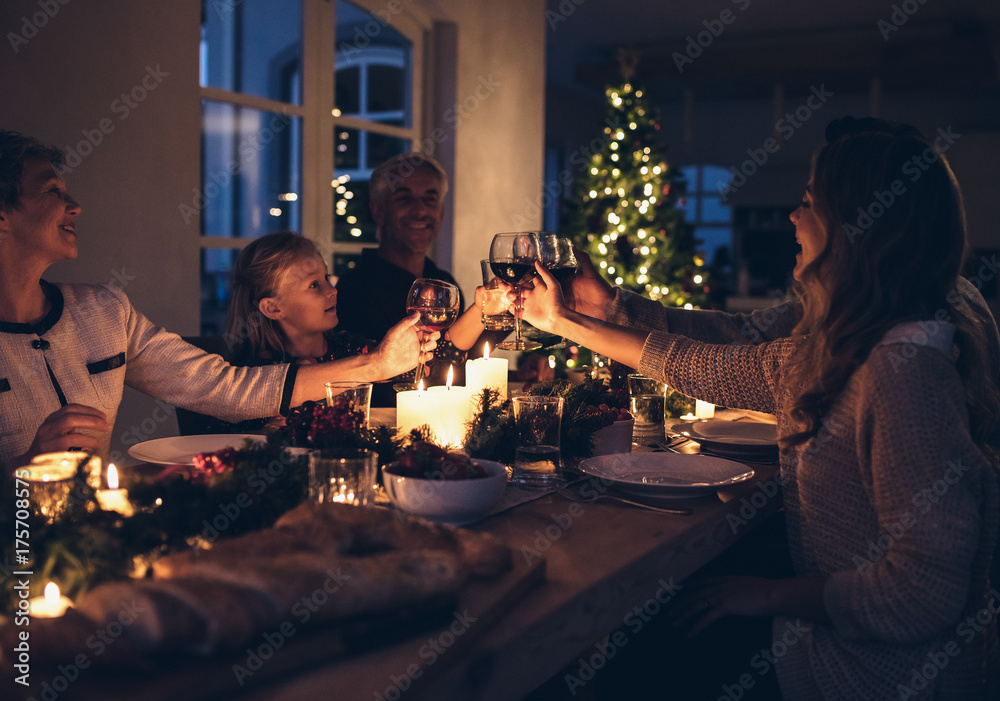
[(499, 139), (68, 79), (69, 74)]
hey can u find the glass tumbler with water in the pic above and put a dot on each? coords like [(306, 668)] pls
[(539, 424), (648, 399)]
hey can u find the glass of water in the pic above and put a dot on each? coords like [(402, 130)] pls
[(648, 400), (539, 425)]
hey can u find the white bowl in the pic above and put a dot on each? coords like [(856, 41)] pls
[(613, 439), (447, 501)]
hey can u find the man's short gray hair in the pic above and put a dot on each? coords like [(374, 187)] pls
[(389, 174)]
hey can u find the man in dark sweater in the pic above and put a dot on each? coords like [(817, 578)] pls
[(407, 203)]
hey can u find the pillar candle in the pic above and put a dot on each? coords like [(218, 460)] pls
[(455, 405), (484, 372), (416, 407), (704, 410)]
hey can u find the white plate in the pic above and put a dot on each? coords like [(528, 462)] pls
[(180, 450), (731, 437), (664, 474)]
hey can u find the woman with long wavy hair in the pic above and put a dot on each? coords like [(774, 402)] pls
[(885, 398)]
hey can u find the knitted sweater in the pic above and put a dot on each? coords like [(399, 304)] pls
[(93, 343), (892, 502)]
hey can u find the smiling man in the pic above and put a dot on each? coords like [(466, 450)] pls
[(407, 203)]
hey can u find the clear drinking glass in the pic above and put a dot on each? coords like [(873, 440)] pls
[(496, 312), (343, 480), (648, 402), (358, 393), (537, 455)]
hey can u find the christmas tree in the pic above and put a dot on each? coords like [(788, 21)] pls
[(624, 213)]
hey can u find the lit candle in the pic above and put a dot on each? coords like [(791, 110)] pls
[(416, 407), (51, 480), (51, 605), (704, 410), (484, 372), (113, 498), (455, 405), (689, 417)]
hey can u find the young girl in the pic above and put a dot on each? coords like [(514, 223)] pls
[(284, 309), (885, 399)]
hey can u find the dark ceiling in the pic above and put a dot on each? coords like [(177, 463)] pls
[(740, 48)]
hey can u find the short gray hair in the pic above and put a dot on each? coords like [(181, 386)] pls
[(393, 171), (15, 149)]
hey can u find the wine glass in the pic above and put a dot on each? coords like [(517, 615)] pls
[(555, 252), (512, 259), (438, 303)]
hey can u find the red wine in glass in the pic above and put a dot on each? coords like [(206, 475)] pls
[(516, 271), (512, 259), (563, 273)]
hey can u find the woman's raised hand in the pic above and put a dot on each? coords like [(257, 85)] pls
[(400, 351), (542, 304), (587, 291)]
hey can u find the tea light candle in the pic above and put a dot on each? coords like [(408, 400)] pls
[(51, 482), (51, 605), (704, 410), (113, 498), (689, 417), (416, 407), (484, 372), (455, 405)]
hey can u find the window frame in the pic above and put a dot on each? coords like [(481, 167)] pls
[(317, 112)]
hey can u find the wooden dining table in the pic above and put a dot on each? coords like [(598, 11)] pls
[(580, 570)]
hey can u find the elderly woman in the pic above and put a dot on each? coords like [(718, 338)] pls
[(883, 394), (67, 350)]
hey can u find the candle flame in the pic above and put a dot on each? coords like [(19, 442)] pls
[(451, 375), (52, 593), (420, 385), (486, 352), (112, 476)]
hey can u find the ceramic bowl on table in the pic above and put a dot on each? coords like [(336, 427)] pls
[(457, 502), (614, 439)]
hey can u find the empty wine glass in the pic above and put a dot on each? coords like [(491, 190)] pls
[(439, 304), (512, 259)]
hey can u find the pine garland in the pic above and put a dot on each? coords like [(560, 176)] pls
[(492, 433)]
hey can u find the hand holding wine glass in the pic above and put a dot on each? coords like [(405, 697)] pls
[(438, 304), (512, 259)]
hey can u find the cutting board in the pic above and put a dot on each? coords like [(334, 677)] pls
[(366, 653)]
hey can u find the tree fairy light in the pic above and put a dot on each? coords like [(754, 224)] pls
[(624, 213)]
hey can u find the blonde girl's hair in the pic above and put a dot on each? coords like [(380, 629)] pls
[(884, 262), (257, 274)]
